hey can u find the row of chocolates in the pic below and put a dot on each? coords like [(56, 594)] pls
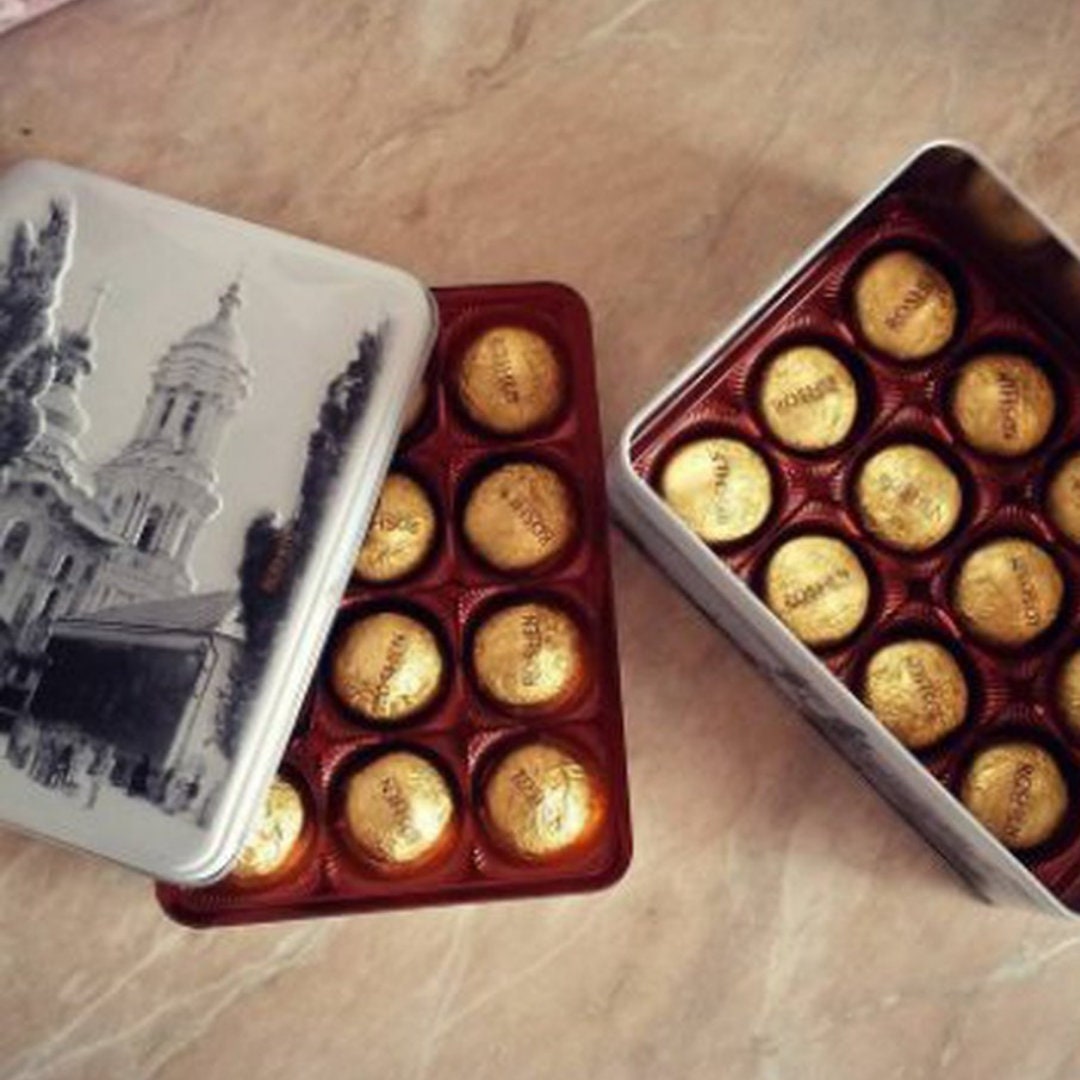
[(400, 812), (1001, 402), (388, 667), (519, 517), (907, 495)]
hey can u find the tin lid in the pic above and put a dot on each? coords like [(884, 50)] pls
[(196, 414)]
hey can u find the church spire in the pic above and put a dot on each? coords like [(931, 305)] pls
[(74, 351), (57, 449), (161, 489)]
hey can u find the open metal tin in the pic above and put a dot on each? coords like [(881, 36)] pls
[(1015, 287)]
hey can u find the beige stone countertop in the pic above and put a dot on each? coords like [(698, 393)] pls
[(668, 158)]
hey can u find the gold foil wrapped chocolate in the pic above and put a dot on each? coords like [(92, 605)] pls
[(719, 487), (818, 588), (401, 533), (541, 801), (1017, 791), (521, 517), (908, 497), (917, 690), (511, 381), (387, 667), (399, 812), (905, 306), (273, 845), (1063, 497), (529, 656), (808, 398), (1008, 591), (1003, 404)]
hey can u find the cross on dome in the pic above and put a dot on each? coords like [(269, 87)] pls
[(215, 345)]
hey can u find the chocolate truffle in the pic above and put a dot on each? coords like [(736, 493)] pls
[(1008, 591), (1003, 404), (542, 801), (1017, 791), (273, 844), (818, 588), (908, 497), (401, 533), (529, 656), (720, 488), (917, 690), (808, 398), (1068, 692), (399, 812), (905, 306), (520, 517), (510, 381), (1063, 498), (387, 667)]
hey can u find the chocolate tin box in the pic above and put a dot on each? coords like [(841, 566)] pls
[(871, 481), (196, 415), (463, 736)]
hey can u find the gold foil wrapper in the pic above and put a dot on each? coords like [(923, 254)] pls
[(541, 802), (1063, 498), (818, 588), (808, 398), (520, 517), (1003, 404), (908, 497), (1008, 591), (511, 381), (401, 534), (917, 690), (387, 667), (529, 656), (905, 306), (1068, 692), (720, 488), (273, 844), (1017, 791), (399, 812)]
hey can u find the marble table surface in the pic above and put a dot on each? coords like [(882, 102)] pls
[(668, 158)]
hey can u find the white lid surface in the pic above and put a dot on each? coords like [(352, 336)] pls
[(196, 414)]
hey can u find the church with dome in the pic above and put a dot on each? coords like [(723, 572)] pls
[(122, 677), (95, 579), (75, 539)]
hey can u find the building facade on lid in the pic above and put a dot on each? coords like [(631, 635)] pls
[(161, 489), (75, 539)]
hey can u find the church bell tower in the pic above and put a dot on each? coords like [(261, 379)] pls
[(161, 489)]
